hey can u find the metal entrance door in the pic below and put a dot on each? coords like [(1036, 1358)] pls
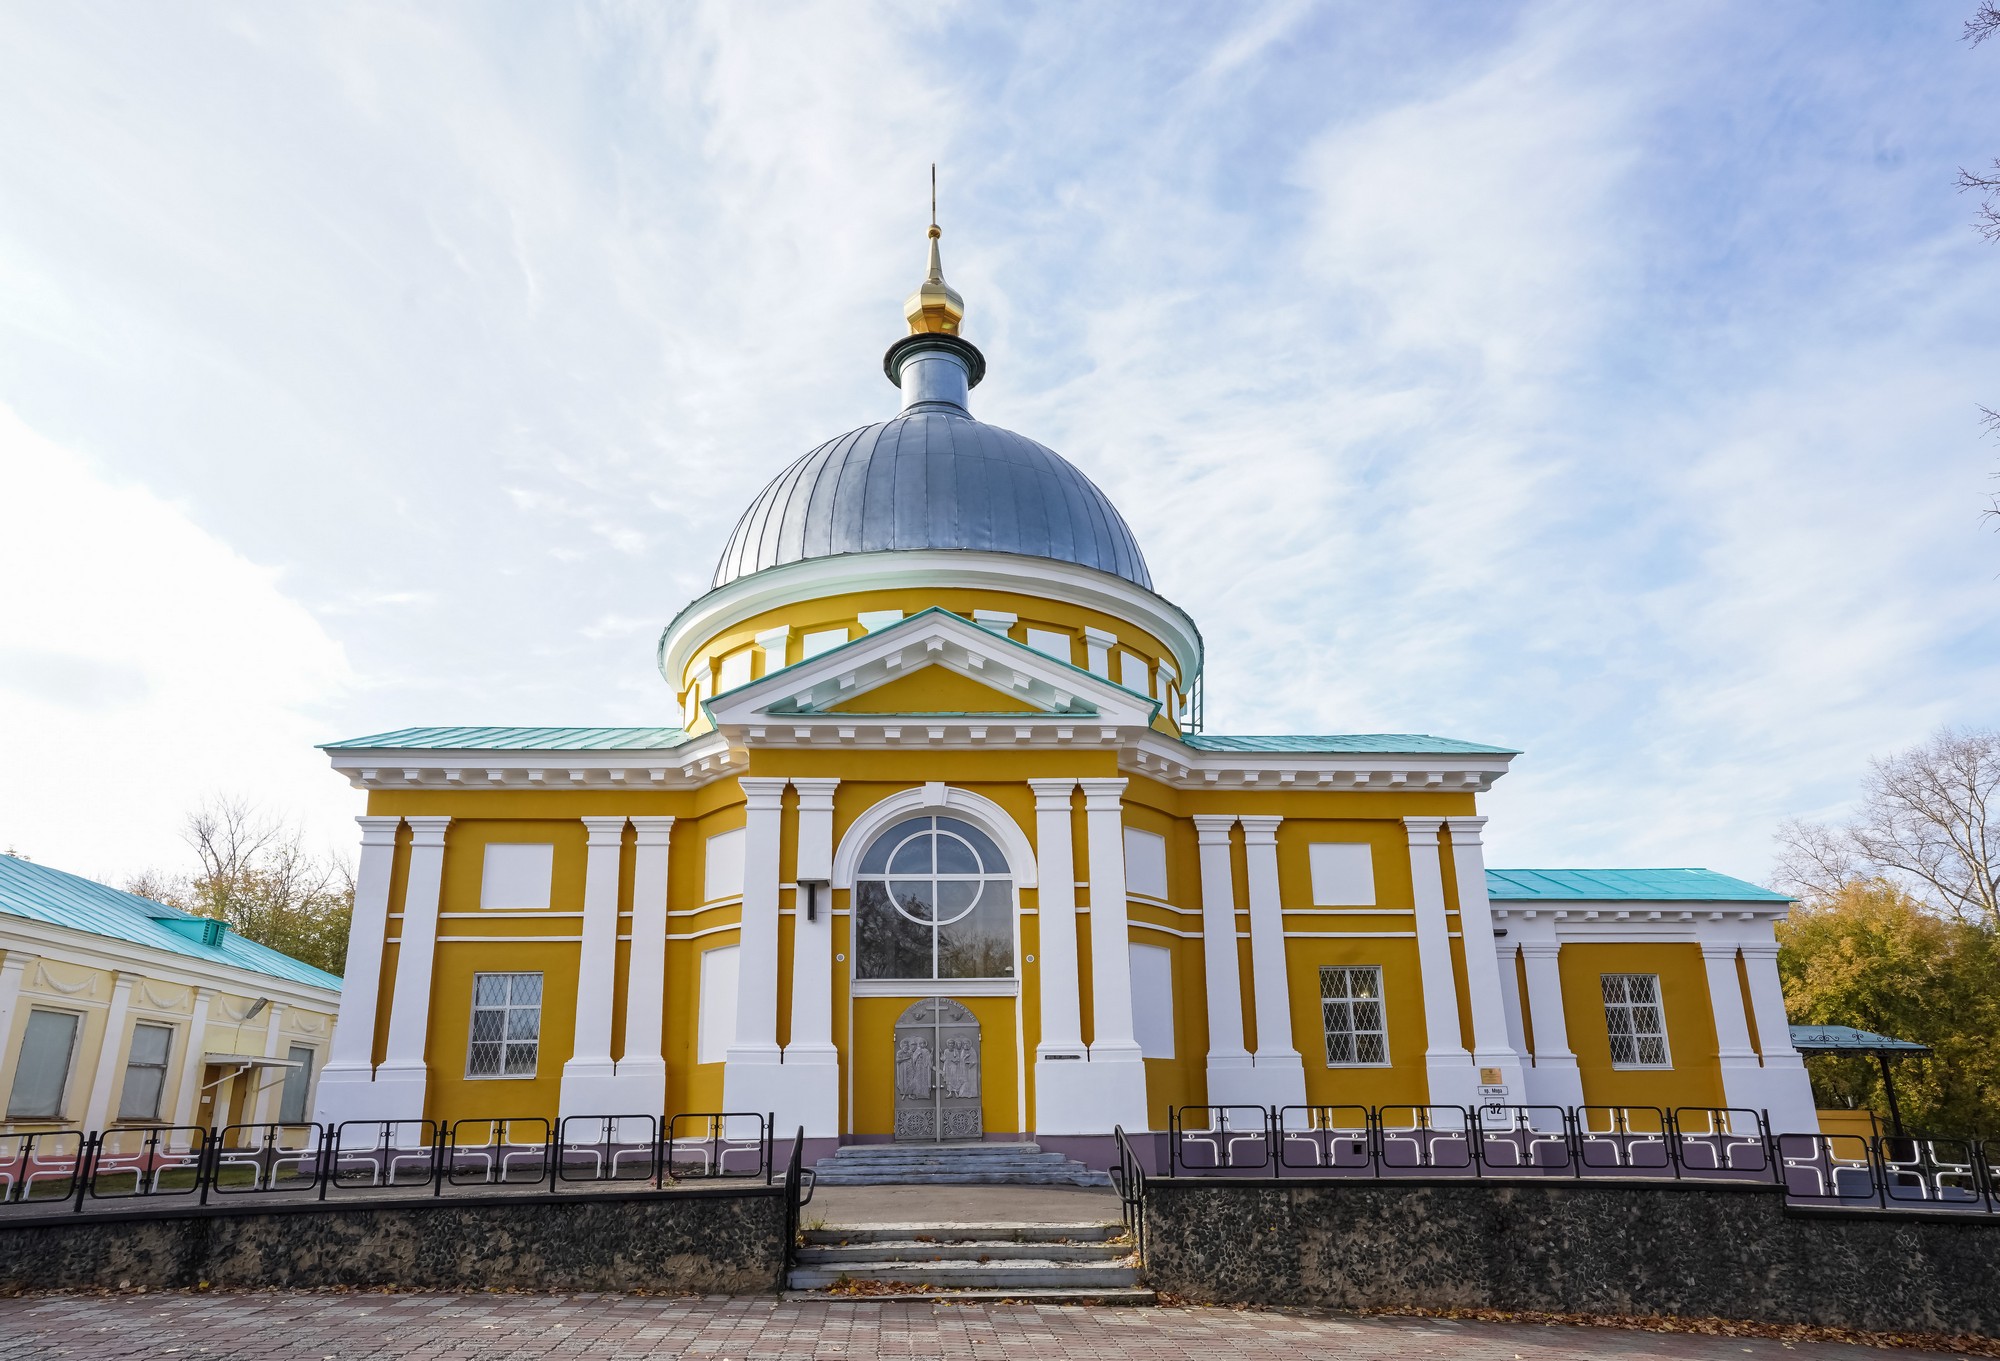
[(937, 1073)]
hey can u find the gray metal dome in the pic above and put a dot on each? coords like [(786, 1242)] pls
[(932, 477)]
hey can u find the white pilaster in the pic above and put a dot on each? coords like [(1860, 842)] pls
[(402, 1079), (589, 1077), (11, 973), (1493, 1051), (1118, 1071), (1097, 645), (194, 1043), (270, 1081), (642, 1071), (1554, 1080), (773, 642), (1278, 1072), (1742, 1074), (812, 1064), (1064, 1100), (1453, 1080), (1788, 1094), (97, 1114), (346, 1084), (1230, 1080), (752, 1070)]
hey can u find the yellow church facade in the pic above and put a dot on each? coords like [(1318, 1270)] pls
[(932, 849)]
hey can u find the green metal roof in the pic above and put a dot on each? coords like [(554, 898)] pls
[(1392, 743), (1686, 885), (50, 895), (1836, 1039), (516, 739)]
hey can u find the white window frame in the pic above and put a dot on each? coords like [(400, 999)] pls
[(163, 1067), (1342, 1006), (305, 1077), (1635, 1013), (506, 1010)]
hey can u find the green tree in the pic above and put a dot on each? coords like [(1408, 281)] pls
[(254, 872), (1868, 954)]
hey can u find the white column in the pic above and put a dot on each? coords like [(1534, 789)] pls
[(1118, 1071), (642, 1069), (1742, 1074), (1453, 1081), (1788, 1094), (97, 1114), (1501, 1080), (812, 1064), (346, 1083), (589, 1084), (752, 1072), (1506, 952), (1064, 1100), (1555, 1079), (403, 1077), (1230, 1081), (194, 1044), (270, 1082), (1279, 1072)]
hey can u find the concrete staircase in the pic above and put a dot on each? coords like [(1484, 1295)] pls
[(952, 1165), (1066, 1263)]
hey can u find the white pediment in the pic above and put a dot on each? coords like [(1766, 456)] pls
[(812, 689)]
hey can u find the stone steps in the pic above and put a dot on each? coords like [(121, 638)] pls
[(963, 1262), (952, 1165)]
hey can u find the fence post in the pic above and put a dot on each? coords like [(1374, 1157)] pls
[(86, 1158), (326, 1154), (1573, 1136), (440, 1134), (553, 1148), (1273, 1127), (770, 1136)]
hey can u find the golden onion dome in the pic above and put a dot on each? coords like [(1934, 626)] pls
[(935, 308)]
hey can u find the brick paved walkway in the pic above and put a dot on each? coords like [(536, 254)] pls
[(265, 1326)]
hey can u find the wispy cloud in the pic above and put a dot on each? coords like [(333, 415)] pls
[(1599, 383)]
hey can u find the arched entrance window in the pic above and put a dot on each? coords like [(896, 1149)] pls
[(933, 899)]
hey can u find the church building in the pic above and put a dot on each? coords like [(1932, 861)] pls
[(930, 845)]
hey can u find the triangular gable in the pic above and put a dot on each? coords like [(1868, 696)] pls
[(932, 689), (1018, 679)]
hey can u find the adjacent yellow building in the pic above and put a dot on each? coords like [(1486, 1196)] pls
[(934, 849), (117, 1010)]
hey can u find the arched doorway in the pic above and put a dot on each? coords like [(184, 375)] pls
[(938, 1064)]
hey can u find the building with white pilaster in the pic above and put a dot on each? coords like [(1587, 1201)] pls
[(930, 846), (116, 1010)]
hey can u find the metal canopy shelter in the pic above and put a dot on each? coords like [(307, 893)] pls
[(1846, 1039)]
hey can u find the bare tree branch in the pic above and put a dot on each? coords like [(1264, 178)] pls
[(1984, 23), (1929, 818), (1815, 862)]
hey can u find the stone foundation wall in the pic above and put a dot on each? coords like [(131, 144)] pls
[(1713, 1250), (697, 1241)]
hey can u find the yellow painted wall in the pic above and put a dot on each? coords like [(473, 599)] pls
[(935, 690), (1696, 1076)]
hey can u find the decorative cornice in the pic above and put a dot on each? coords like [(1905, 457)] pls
[(927, 569)]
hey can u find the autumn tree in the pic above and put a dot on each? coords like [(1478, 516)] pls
[(253, 871), (1872, 956)]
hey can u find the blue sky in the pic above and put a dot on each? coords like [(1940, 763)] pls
[(1598, 380)]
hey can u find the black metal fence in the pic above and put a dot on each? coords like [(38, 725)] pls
[(1128, 1176), (1696, 1142), (208, 1165)]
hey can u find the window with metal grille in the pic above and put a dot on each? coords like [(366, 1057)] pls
[(1357, 1031), (1633, 1017), (145, 1072), (506, 1025)]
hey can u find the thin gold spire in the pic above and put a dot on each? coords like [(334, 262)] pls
[(935, 308)]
